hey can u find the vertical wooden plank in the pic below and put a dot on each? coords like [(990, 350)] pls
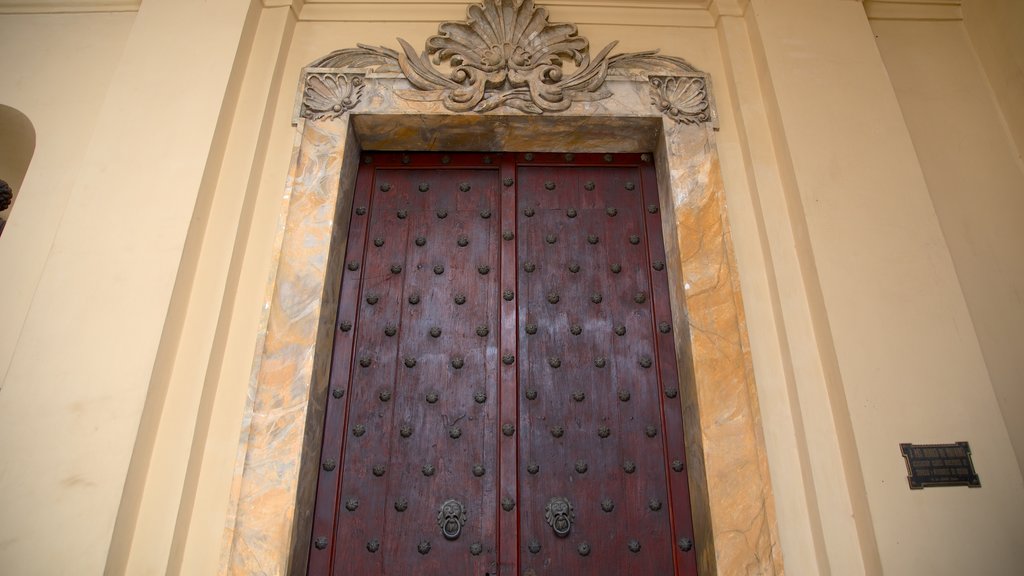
[(641, 524), (675, 457), (436, 445), (508, 458), (652, 512), (542, 467), (339, 392), (582, 235), (365, 466)]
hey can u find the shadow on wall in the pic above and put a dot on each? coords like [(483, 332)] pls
[(17, 143)]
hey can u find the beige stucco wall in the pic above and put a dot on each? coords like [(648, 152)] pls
[(55, 69), (994, 28), (125, 107), (976, 179), (888, 318), (143, 239)]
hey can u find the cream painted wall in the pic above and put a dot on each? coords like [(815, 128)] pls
[(43, 60), (803, 449), (98, 296), (56, 69), (178, 523), (995, 28), (976, 180), (903, 361)]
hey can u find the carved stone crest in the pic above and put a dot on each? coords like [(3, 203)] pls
[(506, 54)]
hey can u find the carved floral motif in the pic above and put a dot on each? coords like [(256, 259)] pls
[(684, 100), (507, 54), (330, 94)]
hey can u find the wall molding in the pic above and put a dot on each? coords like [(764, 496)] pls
[(913, 10), (650, 13), (67, 6)]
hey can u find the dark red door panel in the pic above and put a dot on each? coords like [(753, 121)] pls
[(503, 393), (594, 432), (416, 429)]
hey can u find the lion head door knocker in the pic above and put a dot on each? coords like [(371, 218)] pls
[(559, 515), (451, 518)]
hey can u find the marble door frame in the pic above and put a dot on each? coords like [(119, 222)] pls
[(275, 477)]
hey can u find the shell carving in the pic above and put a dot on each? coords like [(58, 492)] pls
[(684, 100), (330, 94)]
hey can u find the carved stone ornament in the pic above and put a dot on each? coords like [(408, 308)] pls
[(505, 54), (682, 99), (328, 95)]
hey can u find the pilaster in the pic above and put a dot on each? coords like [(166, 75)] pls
[(873, 261), (78, 378)]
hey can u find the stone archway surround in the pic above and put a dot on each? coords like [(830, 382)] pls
[(353, 100)]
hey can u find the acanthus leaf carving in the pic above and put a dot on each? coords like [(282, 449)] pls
[(376, 58), (507, 54)]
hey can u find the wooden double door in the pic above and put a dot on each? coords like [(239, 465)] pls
[(504, 390)]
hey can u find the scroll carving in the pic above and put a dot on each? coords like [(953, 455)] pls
[(507, 54)]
